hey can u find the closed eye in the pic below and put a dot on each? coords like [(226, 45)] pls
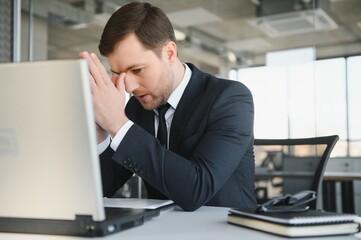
[(114, 73), (137, 70)]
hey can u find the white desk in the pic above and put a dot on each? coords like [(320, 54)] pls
[(205, 223)]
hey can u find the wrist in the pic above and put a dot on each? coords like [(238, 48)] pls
[(117, 126), (101, 133), (118, 138)]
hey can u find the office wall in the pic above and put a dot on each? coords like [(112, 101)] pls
[(6, 30)]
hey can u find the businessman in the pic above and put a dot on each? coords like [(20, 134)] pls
[(201, 151)]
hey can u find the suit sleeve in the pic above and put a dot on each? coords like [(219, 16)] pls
[(113, 175), (225, 132)]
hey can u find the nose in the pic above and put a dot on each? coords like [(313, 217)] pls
[(130, 83)]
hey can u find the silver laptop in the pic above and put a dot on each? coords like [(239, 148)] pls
[(49, 168)]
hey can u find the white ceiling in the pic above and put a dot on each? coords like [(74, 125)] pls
[(215, 27)]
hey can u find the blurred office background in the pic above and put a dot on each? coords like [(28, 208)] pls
[(300, 58)]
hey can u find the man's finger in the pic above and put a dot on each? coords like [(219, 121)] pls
[(92, 84), (101, 68), (120, 83), (93, 68)]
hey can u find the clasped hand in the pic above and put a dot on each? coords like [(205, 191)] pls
[(108, 98)]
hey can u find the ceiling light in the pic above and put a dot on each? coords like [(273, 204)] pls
[(179, 35), (231, 57)]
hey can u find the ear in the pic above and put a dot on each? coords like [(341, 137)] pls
[(170, 50)]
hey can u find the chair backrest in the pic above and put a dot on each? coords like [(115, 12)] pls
[(286, 166)]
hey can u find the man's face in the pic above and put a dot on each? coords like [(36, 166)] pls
[(148, 77)]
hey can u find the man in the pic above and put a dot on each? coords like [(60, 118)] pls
[(208, 157)]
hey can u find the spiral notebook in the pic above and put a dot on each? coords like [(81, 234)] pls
[(296, 224)]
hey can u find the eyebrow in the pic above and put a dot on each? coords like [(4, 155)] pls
[(114, 72), (128, 68)]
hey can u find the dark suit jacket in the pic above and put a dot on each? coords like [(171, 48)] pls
[(210, 160)]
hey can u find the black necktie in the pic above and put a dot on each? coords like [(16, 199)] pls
[(162, 128)]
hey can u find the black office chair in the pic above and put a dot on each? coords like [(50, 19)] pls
[(287, 166)]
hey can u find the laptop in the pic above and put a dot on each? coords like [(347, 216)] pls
[(50, 180)]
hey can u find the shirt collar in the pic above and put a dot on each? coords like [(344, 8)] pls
[(176, 95)]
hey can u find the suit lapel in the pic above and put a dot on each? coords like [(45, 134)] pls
[(147, 121), (140, 116), (187, 104)]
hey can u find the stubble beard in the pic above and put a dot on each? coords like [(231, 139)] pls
[(164, 93)]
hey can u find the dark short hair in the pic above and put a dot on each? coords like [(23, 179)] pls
[(149, 23)]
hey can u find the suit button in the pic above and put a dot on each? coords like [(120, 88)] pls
[(126, 161)]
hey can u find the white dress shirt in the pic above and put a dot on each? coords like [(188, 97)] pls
[(173, 100)]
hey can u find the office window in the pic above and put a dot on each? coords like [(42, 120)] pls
[(311, 99), (233, 74), (354, 100), (301, 100), (331, 113), (330, 97), (268, 86)]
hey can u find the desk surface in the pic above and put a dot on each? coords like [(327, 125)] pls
[(205, 223)]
